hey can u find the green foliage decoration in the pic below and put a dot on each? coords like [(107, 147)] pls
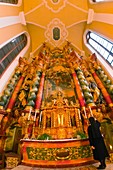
[(81, 134), (44, 137)]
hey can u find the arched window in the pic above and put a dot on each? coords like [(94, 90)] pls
[(101, 45), (97, 0), (10, 1), (101, 0), (9, 52)]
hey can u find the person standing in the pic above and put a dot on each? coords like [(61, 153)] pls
[(97, 142)]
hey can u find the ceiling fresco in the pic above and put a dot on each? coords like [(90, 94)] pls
[(55, 17)]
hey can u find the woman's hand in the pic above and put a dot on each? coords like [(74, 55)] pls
[(92, 147)]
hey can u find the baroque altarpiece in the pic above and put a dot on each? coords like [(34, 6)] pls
[(50, 98)]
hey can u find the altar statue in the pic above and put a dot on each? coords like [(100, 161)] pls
[(98, 114), (95, 91)]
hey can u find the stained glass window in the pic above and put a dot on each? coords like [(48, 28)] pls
[(101, 45), (101, 0), (10, 1), (9, 52)]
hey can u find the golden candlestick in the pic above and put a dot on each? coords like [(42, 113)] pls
[(85, 112), (29, 115), (90, 111), (79, 115), (33, 132), (35, 116), (26, 130)]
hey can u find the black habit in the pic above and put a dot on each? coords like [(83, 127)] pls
[(96, 140)]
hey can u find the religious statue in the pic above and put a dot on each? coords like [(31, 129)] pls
[(98, 114), (96, 92)]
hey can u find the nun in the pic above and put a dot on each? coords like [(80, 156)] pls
[(97, 142)]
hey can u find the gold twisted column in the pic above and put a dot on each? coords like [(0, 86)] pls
[(102, 88), (40, 93), (15, 93), (78, 89)]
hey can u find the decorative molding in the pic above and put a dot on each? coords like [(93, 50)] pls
[(75, 6), (49, 32), (90, 16), (22, 18), (11, 20), (19, 2), (7, 21), (34, 9), (55, 7), (76, 23), (33, 23), (102, 17)]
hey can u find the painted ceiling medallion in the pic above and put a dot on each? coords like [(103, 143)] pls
[(55, 5), (56, 32), (55, 1)]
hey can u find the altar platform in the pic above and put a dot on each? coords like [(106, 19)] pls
[(56, 153), (85, 167)]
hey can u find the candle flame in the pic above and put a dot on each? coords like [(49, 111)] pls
[(110, 147)]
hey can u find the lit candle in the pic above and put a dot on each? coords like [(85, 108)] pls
[(90, 111), (79, 115), (110, 146), (40, 116), (35, 116), (29, 114), (85, 112)]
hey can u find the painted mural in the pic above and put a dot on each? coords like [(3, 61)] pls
[(58, 78)]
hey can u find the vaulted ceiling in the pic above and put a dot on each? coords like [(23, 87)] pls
[(56, 21)]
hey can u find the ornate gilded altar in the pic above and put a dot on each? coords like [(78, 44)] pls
[(51, 98), (57, 119), (56, 153)]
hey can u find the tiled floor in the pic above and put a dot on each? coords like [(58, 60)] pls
[(87, 167)]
